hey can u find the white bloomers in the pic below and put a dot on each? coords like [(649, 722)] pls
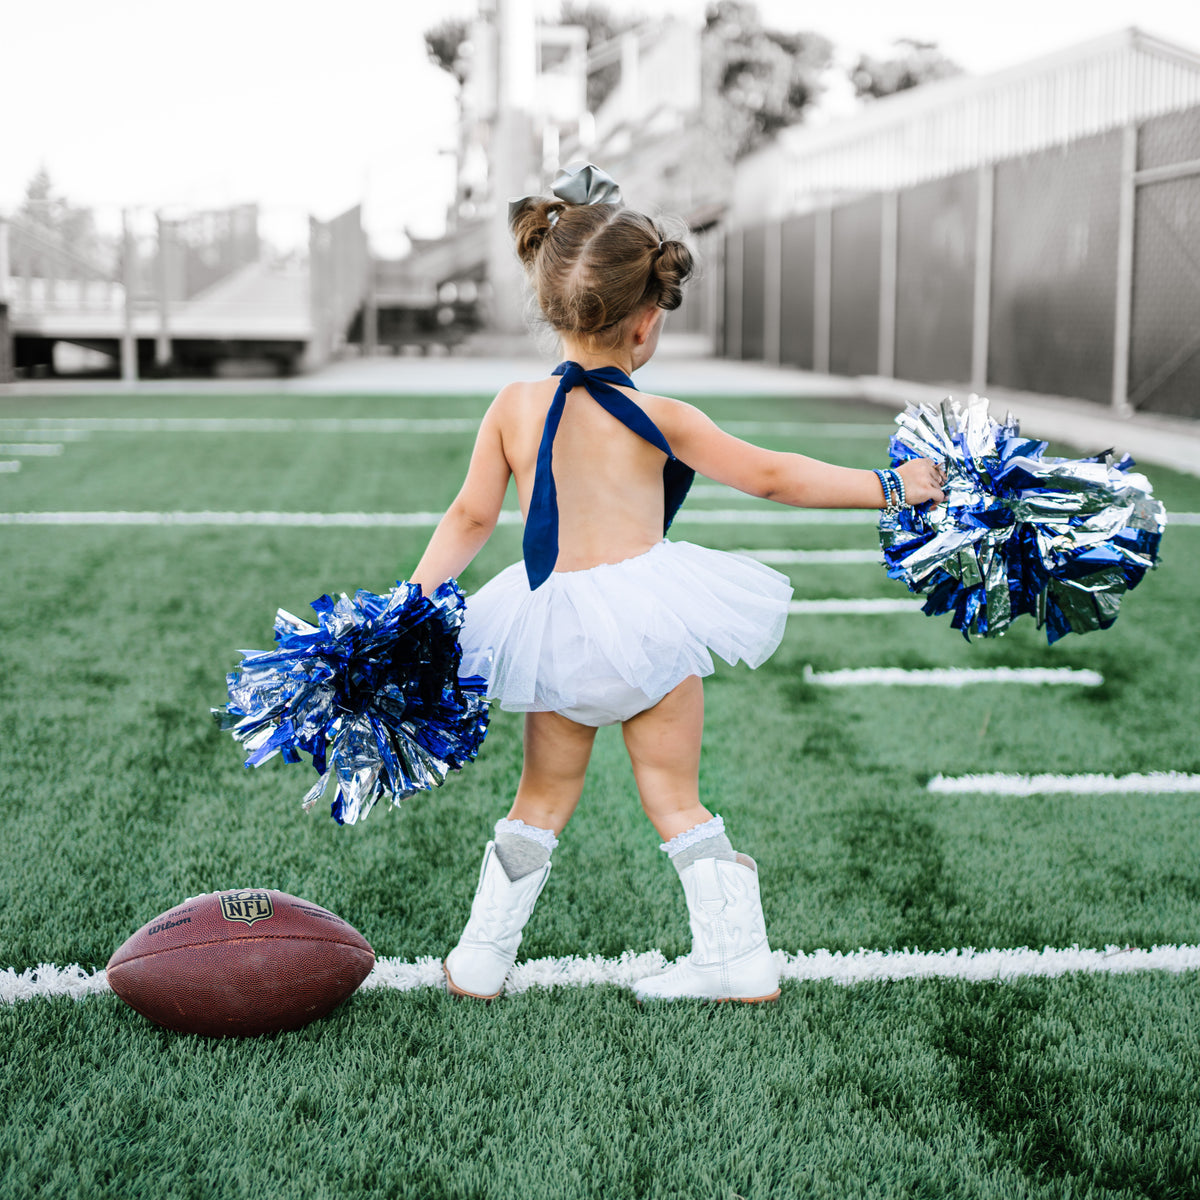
[(601, 645)]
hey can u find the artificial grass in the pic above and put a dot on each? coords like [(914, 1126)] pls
[(1025, 1089), (121, 798)]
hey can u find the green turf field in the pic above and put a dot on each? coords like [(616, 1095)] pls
[(120, 799)]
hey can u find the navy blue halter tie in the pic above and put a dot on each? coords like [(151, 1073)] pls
[(540, 545)]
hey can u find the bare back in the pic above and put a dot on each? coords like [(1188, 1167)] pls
[(609, 480)]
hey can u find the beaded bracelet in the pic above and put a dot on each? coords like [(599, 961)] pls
[(886, 484), (893, 490)]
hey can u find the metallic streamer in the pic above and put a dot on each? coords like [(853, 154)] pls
[(371, 692), (1059, 539)]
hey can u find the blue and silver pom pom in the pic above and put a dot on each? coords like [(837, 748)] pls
[(1060, 539), (372, 692)]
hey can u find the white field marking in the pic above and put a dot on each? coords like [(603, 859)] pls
[(32, 449), (862, 608), (814, 558), (777, 516), (251, 424), (1155, 782), (858, 966), (1174, 518), (427, 520), (9, 466), (300, 520), (951, 677), (21, 430), (817, 429), (717, 491), (382, 520), (378, 425)]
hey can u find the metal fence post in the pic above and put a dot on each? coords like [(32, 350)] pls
[(889, 249), (715, 322), (981, 310), (4, 260), (773, 293), (1125, 245), (733, 297), (129, 361), (162, 339), (823, 290)]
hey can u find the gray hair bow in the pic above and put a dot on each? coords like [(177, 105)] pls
[(586, 184)]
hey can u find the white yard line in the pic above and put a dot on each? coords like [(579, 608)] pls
[(9, 466), (862, 608), (381, 425), (371, 520), (248, 424), (858, 966), (21, 429), (951, 677), (1155, 782), (814, 558), (421, 520), (32, 449), (815, 429)]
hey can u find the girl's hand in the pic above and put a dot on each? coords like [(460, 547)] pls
[(923, 480)]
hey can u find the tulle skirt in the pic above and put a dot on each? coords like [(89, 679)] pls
[(603, 644)]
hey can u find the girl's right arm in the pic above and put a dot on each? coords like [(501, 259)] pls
[(472, 516), (785, 478)]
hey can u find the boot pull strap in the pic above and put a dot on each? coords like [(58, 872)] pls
[(710, 895)]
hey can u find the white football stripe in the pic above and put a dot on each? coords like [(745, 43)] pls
[(827, 429), (777, 516), (858, 966), (427, 520), (951, 677), (9, 466), (32, 449), (380, 425), (1076, 785), (865, 608), (419, 520), (249, 424), (813, 558)]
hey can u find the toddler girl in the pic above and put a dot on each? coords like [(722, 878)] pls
[(606, 621)]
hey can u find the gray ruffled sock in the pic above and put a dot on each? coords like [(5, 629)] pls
[(706, 840), (522, 849)]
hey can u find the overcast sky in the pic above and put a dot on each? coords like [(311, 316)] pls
[(311, 107)]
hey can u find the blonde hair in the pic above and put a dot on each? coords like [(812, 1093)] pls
[(597, 265)]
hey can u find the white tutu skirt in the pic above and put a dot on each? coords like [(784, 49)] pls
[(601, 645)]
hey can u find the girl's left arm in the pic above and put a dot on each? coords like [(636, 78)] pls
[(472, 516)]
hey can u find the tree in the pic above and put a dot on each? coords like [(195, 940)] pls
[(757, 80), (914, 63), (443, 44), (74, 225), (602, 26)]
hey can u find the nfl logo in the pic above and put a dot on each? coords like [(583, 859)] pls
[(247, 906)]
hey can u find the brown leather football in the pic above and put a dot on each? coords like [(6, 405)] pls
[(240, 963)]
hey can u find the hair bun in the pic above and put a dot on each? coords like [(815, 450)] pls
[(672, 266), (530, 223)]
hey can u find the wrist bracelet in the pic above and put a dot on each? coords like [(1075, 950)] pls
[(886, 484), (901, 501)]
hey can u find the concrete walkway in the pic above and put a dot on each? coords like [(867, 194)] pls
[(682, 369)]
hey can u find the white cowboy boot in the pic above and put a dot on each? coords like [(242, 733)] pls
[(485, 953), (730, 958)]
